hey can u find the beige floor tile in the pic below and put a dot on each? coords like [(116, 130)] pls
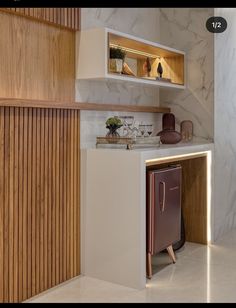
[(201, 274)]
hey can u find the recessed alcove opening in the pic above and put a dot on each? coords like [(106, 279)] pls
[(194, 194)]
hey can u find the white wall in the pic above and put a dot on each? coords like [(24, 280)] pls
[(225, 124), (184, 29), (142, 22)]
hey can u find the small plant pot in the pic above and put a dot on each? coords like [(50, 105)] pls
[(113, 131), (116, 65)]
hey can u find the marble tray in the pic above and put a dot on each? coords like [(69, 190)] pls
[(129, 142)]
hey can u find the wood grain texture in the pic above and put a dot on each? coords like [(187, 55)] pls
[(2, 125), (68, 18), (37, 61), (39, 200), (13, 102), (195, 199), (194, 195)]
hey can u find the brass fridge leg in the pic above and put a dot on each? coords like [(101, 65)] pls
[(149, 265), (171, 253)]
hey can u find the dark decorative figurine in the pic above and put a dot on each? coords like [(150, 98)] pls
[(160, 69)]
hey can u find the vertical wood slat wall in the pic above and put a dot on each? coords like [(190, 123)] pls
[(39, 200), (63, 17)]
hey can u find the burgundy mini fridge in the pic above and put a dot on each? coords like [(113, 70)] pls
[(163, 211)]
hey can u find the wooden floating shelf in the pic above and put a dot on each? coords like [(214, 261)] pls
[(128, 108), (13, 102)]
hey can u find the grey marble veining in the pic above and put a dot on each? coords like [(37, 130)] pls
[(185, 29), (141, 22), (108, 92), (225, 124)]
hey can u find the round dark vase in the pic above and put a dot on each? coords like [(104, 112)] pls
[(113, 131)]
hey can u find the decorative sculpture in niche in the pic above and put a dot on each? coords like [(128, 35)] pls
[(147, 67), (169, 135), (160, 69), (160, 72)]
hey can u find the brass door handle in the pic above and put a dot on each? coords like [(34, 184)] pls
[(164, 197)]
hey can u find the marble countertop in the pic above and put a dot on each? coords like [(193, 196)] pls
[(163, 150)]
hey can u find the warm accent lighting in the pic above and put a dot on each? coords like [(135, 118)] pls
[(209, 163), (137, 52)]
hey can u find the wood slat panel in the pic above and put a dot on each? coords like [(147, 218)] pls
[(16, 205), (37, 216), (39, 200), (78, 194), (34, 202), (68, 207), (2, 152), (20, 184), (29, 202), (11, 208), (69, 18), (24, 205), (54, 197), (57, 198), (46, 203), (61, 165), (42, 201), (65, 179), (6, 206), (50, 197), (72, 193)]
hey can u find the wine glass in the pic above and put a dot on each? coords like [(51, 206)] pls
[(142, 128), (149, 129), (127, 122)]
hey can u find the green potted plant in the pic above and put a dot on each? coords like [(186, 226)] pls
[(113, 124), (117, 56)]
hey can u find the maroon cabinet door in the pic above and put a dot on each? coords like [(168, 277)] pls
[(163, 208)]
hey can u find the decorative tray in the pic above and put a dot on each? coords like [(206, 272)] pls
[(129, 142)]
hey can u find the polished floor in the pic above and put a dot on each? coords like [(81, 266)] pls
[(201, 274)]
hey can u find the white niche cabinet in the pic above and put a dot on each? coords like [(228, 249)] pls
[(92, 58)]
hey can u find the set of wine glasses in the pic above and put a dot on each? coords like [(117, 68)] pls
[(132, 129), (146, 130)]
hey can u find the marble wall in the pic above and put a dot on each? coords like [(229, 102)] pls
[(225, 124), (184, 29), (141, 22)]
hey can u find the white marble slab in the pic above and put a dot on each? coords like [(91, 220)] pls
[(225, 124), (184, 29)]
